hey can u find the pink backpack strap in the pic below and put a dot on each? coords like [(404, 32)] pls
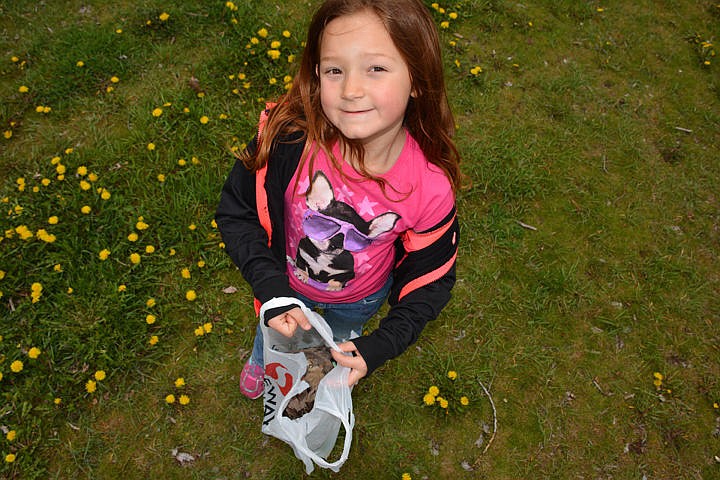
[(260, 193)]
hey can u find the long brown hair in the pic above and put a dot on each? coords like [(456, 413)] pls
[(428, 117)]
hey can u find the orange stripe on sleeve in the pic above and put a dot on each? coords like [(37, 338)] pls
[(417, 241), (428, 277)]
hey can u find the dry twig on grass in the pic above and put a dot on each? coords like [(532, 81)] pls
[(492, 404)]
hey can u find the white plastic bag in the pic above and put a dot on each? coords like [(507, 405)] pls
[(313, 435)]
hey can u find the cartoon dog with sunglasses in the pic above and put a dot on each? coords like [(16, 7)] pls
[(333, 232)]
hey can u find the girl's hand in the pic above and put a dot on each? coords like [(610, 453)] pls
[(288, 322), (356, 362)]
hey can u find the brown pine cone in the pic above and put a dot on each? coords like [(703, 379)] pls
[(320, 363)]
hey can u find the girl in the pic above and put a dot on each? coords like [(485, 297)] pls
[(346, 196)]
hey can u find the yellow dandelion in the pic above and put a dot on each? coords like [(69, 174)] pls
[(135, 258), (100, 375), (164, 16), (86, 209), (150, 319), (286, 33), (34, 352), (185, 273), (154, 340), (161, 177), (465, 401), (104, 254), (157, 112), (190, 295), (434, 391), (57, 400), (132, 237), (204, 119), (179, 382), (10, 458), (122, 288), (429, 399), (150, 303), (91, 386), (184, 399), (452, 374), (170, 399), (149, 249), (23, 89), (11, 435), (151, 146), (207, 327), (141, 225), (114, 79), (263, 33)]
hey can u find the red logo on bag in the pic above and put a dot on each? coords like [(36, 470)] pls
[(271, 371)]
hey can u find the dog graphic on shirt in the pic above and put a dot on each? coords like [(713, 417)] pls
[(333, 232)]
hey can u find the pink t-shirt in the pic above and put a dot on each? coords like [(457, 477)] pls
[(339, 238)]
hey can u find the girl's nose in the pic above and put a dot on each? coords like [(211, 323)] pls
[(352, 87)]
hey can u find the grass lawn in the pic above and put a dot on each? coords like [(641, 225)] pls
[(587, 302)]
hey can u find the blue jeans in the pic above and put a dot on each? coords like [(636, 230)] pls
[(343, 318)]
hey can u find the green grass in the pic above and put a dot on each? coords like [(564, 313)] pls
[(588, 262)]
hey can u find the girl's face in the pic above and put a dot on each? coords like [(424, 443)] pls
[(365, 84)]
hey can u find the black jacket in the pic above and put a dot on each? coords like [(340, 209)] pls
[(422, 277)]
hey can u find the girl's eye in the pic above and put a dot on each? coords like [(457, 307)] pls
[(378, 68), (333, 71)]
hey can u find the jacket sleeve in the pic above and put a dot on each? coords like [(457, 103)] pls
[(245, 239), (422, 281)]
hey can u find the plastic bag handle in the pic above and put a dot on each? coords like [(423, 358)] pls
[(313, 317)]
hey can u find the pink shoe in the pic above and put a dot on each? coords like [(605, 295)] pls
[(251, 381)]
